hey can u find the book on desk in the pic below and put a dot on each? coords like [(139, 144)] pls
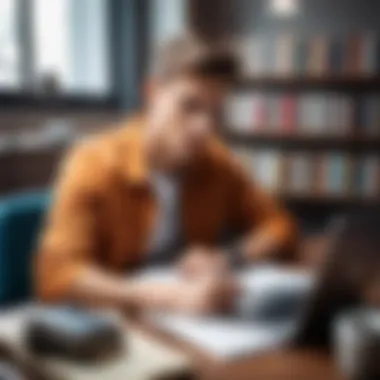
[(266, 314)]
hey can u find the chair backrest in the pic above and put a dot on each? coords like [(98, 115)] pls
[(20, 221)]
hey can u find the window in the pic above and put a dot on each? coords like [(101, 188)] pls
[(70, 39), (65, 46), (9, 49)]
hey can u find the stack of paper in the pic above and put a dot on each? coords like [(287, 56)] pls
[(266, 314)]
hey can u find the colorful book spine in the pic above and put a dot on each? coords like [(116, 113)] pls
[(267, 168), (336, 180), (288, 114), (368, 59), (318, 56), (301, 52), (286, 55), (300, 173), (262, 112), (367, 177), (284, 65), (372, 116), (333, 174), (268, 51), (353, 55), (336, 57)]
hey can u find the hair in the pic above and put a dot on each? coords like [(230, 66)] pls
[(352, 266), (190, 55)]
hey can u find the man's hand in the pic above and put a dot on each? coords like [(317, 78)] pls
[(206, 296), (208, 286), (201, 262)]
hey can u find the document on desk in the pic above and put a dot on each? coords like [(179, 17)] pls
[(265, 318)]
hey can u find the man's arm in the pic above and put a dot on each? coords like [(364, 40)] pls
[(272, 231), (67, 269)]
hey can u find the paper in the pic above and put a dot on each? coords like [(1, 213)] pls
[(259, 324), (226, 338)]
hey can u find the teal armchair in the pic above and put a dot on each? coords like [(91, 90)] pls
[(21, 218)]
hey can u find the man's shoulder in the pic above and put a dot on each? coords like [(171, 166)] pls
[(97, 159), (221, 156), (103, 148)]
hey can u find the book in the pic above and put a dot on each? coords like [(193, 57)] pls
[(288, 114), (371, 117), (353, 55), (319, 173), (268, 55), (300, 60), (336, 174), (261, 111), (268, 169), (318, 56), (328, 174), (287, 55), (239, 112), (251, 51), (367, 176), (247, 55), (336, 57), (284, 64), (300, 173), (368, 65), (310, 113), (260, 323)]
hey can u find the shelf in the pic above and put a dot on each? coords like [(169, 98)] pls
[(288, 83), (297, 141), (318, 200)]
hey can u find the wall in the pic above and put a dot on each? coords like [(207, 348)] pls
[(167, 18), (223, 18)]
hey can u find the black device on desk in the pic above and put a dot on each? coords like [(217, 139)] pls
[(12, 367), (72, 334)]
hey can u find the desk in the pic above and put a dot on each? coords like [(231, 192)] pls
[(287, 364), (280, 365)]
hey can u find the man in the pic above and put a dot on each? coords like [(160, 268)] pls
[(161, 188)]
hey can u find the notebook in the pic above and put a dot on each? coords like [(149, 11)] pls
[(266, 315)]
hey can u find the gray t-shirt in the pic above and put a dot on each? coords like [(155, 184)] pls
[(166, 238)]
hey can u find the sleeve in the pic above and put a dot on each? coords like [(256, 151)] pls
[(258, 213), (69, 241)]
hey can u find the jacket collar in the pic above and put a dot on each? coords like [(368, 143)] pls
[(136, 167)]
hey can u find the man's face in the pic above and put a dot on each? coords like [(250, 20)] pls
[(183, 113)]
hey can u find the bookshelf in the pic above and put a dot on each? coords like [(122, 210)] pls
[(341, 83), (351, 142), (304, 117), (339, 53), (326, 200), (294, 141)]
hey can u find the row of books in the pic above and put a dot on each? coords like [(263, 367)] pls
[(290, 55), (316, 113), (328, 174)]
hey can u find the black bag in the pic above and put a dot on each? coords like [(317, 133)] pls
[(73, 334)]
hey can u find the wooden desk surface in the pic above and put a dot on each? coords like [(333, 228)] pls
[(286, 364)]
